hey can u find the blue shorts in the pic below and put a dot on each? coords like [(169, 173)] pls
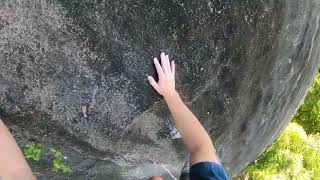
[(207, 171)]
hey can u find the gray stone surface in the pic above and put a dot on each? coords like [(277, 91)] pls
[(243, 67)]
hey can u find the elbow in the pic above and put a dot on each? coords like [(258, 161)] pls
[(196, 148), (201, 146)]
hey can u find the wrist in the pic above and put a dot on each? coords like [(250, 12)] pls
[(171, 96)]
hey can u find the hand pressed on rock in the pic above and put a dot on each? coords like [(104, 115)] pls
[(166, 71)]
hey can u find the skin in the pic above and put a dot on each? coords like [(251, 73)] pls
[(193, 134), (13, 165)]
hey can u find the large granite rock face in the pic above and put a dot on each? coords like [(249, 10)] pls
[(243, 67)]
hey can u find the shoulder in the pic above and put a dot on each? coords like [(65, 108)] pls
[(208, 171)]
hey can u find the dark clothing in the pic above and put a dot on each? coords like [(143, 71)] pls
[(207, 171)]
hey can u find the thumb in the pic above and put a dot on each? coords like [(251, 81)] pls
[(153, 83)]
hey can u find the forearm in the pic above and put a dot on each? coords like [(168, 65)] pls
[(192, 132), (12, 162)]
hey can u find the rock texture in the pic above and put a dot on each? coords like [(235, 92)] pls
[(243, 67)]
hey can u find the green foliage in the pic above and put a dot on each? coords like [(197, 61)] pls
[(296, 153), (58, 162), (308, 115), (293, 156), (33, 151)]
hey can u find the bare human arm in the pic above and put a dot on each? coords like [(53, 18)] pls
[(12, 162), (193, 134)]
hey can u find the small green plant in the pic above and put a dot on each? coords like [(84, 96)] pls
[(58, 162), (123, 168), (33, 151)]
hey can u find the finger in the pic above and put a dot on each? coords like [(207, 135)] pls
[(164, 63), (153, 83), (173, 67), (168, 63), (158, 67)]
